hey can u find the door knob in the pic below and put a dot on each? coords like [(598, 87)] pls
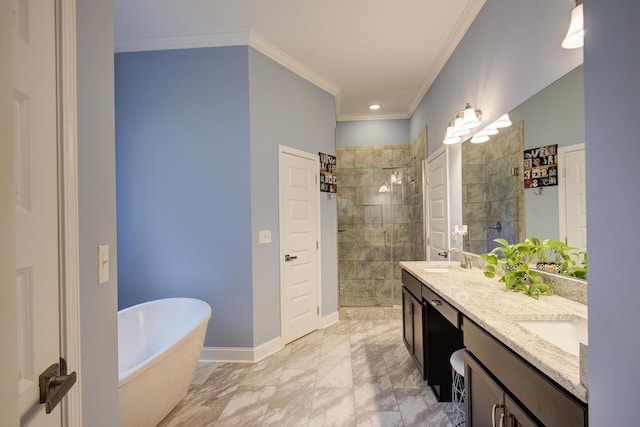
[(54, 384), (288, 257)]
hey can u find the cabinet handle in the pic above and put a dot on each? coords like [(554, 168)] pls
[(493, 413), (410, 307), (436, 302)]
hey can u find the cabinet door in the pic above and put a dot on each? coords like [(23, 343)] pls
[(484, 399), (516, 417), (418, 334), (407, 320)]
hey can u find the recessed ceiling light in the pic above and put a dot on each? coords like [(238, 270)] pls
[(374, 107)]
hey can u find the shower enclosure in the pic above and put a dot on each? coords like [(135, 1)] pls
[(379, 222)]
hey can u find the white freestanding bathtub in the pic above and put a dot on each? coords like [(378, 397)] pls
[(159, 345)]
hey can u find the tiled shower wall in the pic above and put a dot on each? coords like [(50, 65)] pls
[(490, 190), (377, 229)]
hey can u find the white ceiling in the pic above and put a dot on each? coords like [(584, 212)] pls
[(361, 51)]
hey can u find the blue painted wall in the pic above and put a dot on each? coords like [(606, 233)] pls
[(197, 135), (286, 110), (183, 183), (372, 132)]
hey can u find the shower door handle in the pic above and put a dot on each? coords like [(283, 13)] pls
[(288, 257)]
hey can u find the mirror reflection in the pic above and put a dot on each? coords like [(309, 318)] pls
[(495, 202)]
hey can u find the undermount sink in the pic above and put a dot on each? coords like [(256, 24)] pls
[(566, 334), (436, 269)]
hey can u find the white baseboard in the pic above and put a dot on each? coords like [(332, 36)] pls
[(241, 354), (255, 354), (329, 319)]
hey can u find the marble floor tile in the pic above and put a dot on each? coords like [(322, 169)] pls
[(375, 396), (353, 373), (379, 419), (333, 407), (247, 406), (286, 417), (334, 371), (295, 389)]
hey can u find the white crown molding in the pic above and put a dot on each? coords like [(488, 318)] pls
[(287, 61), (244, 38), (464, 22), (182, 42)]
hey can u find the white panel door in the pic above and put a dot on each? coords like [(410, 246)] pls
[(299, 243), (573, 196), (437, 206), (36, 202)]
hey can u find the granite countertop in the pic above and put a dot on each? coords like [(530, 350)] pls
[(497, 310)]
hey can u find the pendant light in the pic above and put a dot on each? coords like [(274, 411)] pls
[(575, 35)]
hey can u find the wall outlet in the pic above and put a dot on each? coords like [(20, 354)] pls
[(264, 236), (103, 264)]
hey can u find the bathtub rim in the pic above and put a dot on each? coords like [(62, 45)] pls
[(126, 376)]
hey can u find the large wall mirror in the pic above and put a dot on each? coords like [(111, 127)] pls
[(495, 202)]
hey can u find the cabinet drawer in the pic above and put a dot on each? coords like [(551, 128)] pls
[(547, 401), (443, 307), (411, 283)]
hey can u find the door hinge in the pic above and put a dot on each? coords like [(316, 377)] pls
[(428, 241), (318, 310), (317, 245), (316, 179)]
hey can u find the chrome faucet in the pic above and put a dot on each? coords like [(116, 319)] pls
[(465, 261)]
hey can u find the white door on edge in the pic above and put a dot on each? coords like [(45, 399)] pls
[(299, 191), (35, 166), (437, 207), (573, 196)]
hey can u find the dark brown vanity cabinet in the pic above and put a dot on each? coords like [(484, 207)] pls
[(487, 403), (502, 389), (412, 326), (431, 333)]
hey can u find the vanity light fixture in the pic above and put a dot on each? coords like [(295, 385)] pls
[(458, 126), (449, 138), (503, 122), (461, 125), (374, 107), (470, 117), (479, 138), (575, 35)]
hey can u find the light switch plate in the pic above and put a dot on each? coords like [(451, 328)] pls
[(264, 236), (103, 264)]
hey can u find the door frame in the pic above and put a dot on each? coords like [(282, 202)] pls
[(70, 346), (427, 229), (282, 151), (562, 186)]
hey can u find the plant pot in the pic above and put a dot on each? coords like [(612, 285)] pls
[(549, 267)]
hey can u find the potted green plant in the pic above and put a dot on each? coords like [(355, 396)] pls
[(576, 266), (550, 255), (516, 273)]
